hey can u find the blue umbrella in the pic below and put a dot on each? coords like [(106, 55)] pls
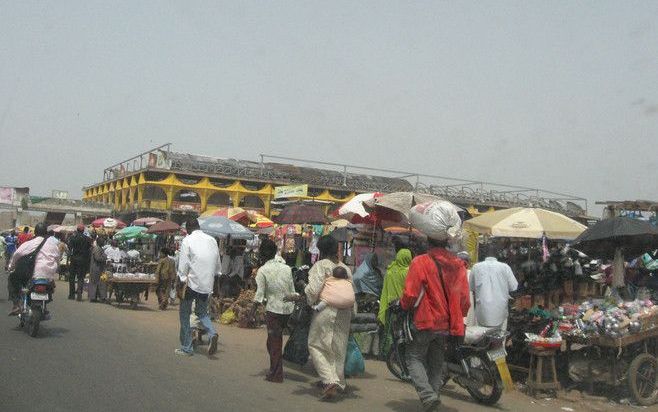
[(222, 227)]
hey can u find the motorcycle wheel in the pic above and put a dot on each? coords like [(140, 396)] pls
[(33, 322), (484, 385), (395, 362)]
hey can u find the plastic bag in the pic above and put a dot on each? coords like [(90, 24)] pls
[(354, 363), (438, 220), (296, 349), (227, 317)]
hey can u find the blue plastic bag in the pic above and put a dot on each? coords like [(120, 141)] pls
[(354, 363)]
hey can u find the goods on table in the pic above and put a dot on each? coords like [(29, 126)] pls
[(550, 337), (133, 276), (608, 318)]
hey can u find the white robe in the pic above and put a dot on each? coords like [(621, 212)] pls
[(330, 328)]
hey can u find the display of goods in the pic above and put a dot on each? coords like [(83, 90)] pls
[(554, 341), (610, 317), (133, 276), (438, 220)]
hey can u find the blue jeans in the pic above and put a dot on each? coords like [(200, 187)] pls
[(200, 310)]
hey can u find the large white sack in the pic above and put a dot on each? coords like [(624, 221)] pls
[(438, 220)]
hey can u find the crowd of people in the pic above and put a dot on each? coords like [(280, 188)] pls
[(436, 285)]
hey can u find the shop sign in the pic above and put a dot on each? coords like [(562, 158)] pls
[(290, 191), (186, 207), (7, 195), (60, 194)]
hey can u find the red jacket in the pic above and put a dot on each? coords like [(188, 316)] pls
[(432, 313)]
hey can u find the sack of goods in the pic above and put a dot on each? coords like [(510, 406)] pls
[(438, 220)]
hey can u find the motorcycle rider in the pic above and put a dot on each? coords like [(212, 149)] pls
[(45, 265), (435, 317)]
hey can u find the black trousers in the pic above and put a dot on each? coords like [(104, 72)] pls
[(77, 271)]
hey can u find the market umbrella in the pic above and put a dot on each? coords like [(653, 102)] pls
[(166, 226), (146, 221), (222, 227), (233, 213), (354, 211), (401, 202), (130, 232), (109, 223), (258, 221), (634, 237), (400, 230), (527, 223), (300, 213)]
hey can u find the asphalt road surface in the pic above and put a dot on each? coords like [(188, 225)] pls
[(97, 357)]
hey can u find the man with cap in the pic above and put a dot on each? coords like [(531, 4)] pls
[(80, 257)]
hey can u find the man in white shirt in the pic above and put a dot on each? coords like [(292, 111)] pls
[(491, 282), (198, 264)]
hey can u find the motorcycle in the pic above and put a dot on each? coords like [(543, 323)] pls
[(476, 364), (33, 301)]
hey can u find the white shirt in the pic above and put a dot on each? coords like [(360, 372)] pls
[(114, 254), (133, 254), (491, 282), (199, 262), (274, 280)]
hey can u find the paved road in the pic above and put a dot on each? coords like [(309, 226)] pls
[(108, 358)]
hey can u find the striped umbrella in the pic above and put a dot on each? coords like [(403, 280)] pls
[(233, 213)]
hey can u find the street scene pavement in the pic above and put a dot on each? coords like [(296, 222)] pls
[(93, 356)]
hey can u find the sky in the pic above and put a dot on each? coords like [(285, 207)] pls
[(559, 95)]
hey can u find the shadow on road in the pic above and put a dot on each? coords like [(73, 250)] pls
[(413, 405), (52, 332), (139, 308)]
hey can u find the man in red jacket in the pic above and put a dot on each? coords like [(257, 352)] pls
[(435, 316)]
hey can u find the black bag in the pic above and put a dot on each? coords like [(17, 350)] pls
[(301, 316), (24, 267), (296, 349)]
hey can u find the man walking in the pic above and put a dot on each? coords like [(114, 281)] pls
[(491, 282), (198, 264), (79, 258), (437, 287)]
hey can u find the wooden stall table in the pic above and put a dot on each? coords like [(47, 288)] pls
[(640, 348)]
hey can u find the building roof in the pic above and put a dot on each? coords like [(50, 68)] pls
[(285, 174)]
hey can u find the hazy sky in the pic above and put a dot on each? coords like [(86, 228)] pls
[(559, 95)]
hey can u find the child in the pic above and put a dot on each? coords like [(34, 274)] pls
[(337, 291)]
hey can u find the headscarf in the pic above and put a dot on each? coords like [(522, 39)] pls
[(366, 278), (396, 273)]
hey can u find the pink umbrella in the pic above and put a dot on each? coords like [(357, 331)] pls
[(146, 221), (108, 223)]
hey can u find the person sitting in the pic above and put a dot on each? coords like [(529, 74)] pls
[(45, 264)]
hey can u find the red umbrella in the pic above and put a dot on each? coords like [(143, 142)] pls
[(166, 226), (301, 214)]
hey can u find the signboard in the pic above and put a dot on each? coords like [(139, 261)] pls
[(290, 191), (7, 195), (60, 194), (161, 161), (186, 207)]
